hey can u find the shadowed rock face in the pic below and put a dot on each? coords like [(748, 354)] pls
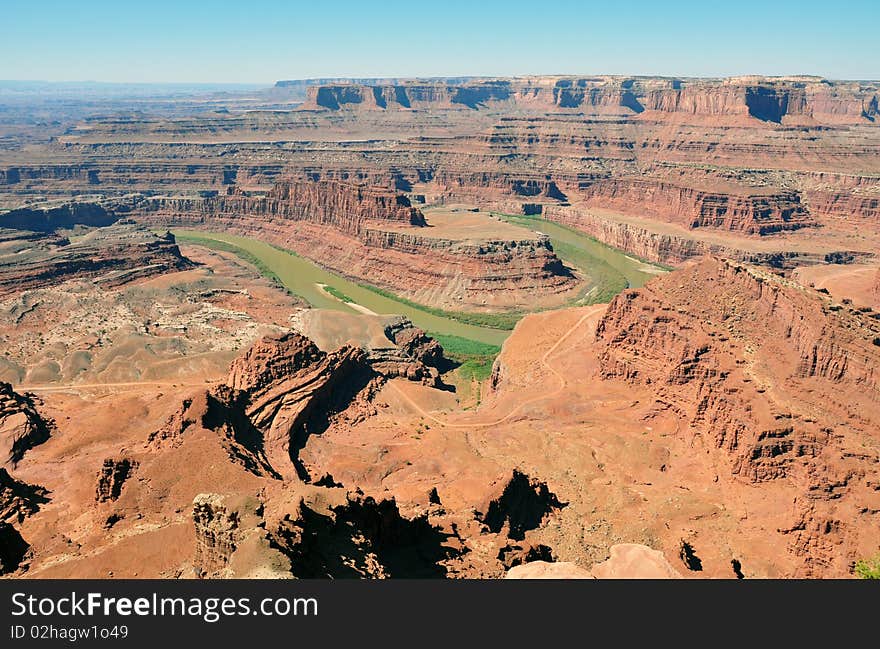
[(18, 500), (112, 477), (360, 537), (521, 506), (21, 426), (58, 218), (13, 548), (284, 389)]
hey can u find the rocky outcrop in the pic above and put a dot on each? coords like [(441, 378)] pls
[(374, 235), (18, 500), (21, 425), (472, 94), (769, 100), (338, 534), (847, 198), (231, 541), (736, 353), (764, 99), (454, 182), (671, 248), (414, 342), (745, 213), (346, 206), (283, 389), (110, 255), (112, 477), (522, 505), (664, 248), (58, 218), (410, 354), (291, 390), (634, 561), (221, 413)]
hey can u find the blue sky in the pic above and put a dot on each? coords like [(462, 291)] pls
[(266, 40)]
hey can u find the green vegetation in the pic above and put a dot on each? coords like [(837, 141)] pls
[(868, 568), (606, 281), (471, 339), (304, 278), (339, 295), (611, 270), (505, 321), (463, 346), (242, 254), (477, 368), (475, 359)]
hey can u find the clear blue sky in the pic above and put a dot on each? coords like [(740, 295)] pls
[(265, 40)]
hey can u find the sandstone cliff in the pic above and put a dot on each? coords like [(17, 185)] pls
[(747, 212), (231, 540), (21, 425), (111, 255), (57, 218), (282, 390), (669, 247), (779, 380), (373, 234), (765, 99)]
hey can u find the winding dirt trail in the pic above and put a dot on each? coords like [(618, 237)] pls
[(77, 386), (592, 313)]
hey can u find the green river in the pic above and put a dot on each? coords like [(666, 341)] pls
[(610, 270)]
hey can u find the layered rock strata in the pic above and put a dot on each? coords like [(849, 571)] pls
[(782, 382), (356, 231), (284, 389), (746, 213), (111, 255), (770, 100)]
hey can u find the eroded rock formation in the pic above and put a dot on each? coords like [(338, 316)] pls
[(18, 500), (741, 356), (338, 534), (374, 234), (110, 255), (112, 477), (769, 100), (21, 425), (521, 506), (231, 540), (284, 389), (748, 213)]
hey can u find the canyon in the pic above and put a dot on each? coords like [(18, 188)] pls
[(786, 164), (532, 327), (374, 234), (667, 420)]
